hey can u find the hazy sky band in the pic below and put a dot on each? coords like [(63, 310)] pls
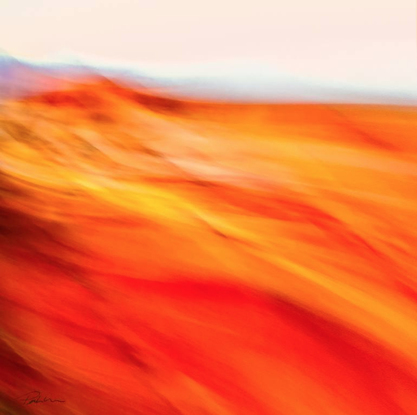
[(356, 42)]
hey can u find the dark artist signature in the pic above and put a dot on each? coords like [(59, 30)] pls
[(35, 397)]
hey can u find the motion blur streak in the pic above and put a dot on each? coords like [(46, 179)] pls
[(163, 256)]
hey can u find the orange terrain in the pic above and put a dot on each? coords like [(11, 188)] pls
[(162, 256)]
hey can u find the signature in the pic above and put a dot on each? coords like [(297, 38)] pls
[(35, 397)]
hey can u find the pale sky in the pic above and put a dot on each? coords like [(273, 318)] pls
[(343, 41)]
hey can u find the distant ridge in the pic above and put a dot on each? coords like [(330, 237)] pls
[(231, 83)]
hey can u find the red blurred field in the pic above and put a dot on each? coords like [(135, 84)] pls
[(165, 257)]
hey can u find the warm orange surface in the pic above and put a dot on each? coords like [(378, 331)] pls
[(167, 257)]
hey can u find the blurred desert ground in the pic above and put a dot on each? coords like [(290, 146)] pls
[(174, 256)]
